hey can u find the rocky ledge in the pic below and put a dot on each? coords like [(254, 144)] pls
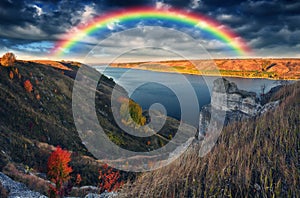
[(20, 190), (231, 104)]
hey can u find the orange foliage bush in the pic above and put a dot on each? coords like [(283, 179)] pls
[(109, 179), (38, 96), (16, 71), (11, 75), (59, 171), (8, 59), (28, 86)]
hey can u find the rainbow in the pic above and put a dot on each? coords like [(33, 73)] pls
[(204, 23)]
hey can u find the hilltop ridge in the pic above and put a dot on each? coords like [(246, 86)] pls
[(272, 68)]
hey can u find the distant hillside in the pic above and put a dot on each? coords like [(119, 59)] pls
[(36, 117), (255, 158), (247, 68)]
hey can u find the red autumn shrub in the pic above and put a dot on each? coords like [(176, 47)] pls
[(59, 171), (28, 86), (109, 180), (78, 179)]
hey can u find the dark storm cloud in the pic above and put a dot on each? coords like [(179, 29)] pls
[(16, 16), (127, 3), (263, 24), (17, 13), (217, 3)]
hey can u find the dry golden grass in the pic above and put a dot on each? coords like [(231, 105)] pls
[(256, 158), (55, 64), (32, 181)]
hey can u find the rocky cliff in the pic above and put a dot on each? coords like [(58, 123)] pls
[(229, 101)]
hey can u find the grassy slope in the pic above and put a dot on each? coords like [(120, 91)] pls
[(256, 158), (29, 128), (26, 122)]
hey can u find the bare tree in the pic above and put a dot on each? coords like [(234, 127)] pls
[(263, 89)]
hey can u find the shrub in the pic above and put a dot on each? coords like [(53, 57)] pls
[(38, 96), (59, 171), (78, 179), (135, 112), (28, 86), (109, 180), (11, 75), (16, 71), (8, 59)]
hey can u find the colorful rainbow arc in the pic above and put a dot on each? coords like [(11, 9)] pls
[(173, 15)]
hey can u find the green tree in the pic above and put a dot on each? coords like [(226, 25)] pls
[(135, 112)]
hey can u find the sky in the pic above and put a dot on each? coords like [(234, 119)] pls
[(31, 28)]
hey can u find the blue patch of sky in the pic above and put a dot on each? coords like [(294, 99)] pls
[(40, 47)]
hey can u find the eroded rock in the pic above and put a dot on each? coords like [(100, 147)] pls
[(230, 104)]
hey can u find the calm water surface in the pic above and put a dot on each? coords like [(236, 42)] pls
[(148, 87)]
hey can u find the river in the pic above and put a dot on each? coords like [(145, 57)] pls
[(155, 87)]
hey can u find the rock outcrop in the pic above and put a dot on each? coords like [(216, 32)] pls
[(230, 104), (227, 97), (103, 195)]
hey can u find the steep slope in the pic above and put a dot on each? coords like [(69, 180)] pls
[(33, 121), (255, 158)]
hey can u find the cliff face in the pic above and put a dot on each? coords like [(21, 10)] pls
[(235, 104), (230, 98)]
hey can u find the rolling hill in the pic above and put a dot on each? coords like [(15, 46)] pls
[(248, 68)]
